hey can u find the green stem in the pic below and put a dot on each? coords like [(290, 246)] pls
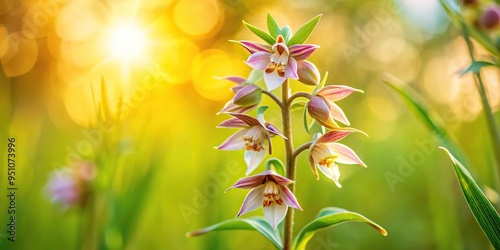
[(290, 161), (492, 122), (275, 98)]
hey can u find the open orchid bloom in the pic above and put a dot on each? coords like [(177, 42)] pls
[(325, 153), (268, 189), (324, 110), (279, 61), (246, 98), (252, 138)]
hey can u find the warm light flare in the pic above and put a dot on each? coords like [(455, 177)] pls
[(127, 41)]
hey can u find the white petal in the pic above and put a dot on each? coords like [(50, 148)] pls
[(252, 201), (253, 159), (275, 214), (235, 141), (273, 80), (332, 172)]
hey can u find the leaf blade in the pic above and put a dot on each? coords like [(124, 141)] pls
[(329, 217), (254, 223), (483, 211), (260, 33), (272, 26), (303, 32)]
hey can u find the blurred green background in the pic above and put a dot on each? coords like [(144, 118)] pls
[(168, 179)]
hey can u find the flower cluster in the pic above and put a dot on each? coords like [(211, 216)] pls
[(282, 58), (484, 15)]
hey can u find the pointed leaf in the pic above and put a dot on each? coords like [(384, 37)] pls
[(303, 32), (329, 217), (277, 164), (272, 26), (286, 32), (304, 119), (476, 66), (321, 84), (258, 224), (260, 33), (484, 212)]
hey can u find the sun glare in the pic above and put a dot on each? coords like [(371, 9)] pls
[(127, 41)]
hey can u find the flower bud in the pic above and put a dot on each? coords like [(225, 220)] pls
[(248, 95), (71, 185), (308, 73), (320, 111), (491, 18)]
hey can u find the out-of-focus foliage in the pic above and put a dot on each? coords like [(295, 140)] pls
[(51, 54)]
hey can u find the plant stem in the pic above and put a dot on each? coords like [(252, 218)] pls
[(492, 122), (290, 161), (301, 148), (275, 98), (300, 94)]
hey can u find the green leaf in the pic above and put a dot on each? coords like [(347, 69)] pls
[(286, 32), (254, 223), (321, 84), (476, 66), (329, 217), (261, 110), (272, 26), (303, 32), (415, 103), (277, 164), (484, 212), (260, 33)]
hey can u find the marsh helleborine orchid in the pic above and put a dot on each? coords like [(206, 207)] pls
[(269, 191)]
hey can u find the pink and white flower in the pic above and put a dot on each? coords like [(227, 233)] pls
[(279, 61), (268, 190), (252, 137), (324, 110), (69, 186), (247, 96), (325, 153)]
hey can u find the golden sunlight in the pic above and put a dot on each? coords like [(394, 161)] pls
[(127, 41)]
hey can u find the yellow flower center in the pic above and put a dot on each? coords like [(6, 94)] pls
[(279, 59), (271, 194), (328, 161), (252, 143)]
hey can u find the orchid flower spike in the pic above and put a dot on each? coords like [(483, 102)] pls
[(268, 189), (325, 153), (252, 136)]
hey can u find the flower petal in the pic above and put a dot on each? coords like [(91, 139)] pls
[(236, 79), (247, 119), (302, 51), (275, 213), (273, 80), (313, 165), (337, 113), (259, 60), (230, 107), (252, 201), (233, 123), (291, 69), (334, 135), (253, 159), (253, 47), (249, 182), (308, 73), (320, 111), (280, 180), (248, 95), (274, 130), (289, 198), (235, 141), (345, 154), (331, 172), (337, 92)]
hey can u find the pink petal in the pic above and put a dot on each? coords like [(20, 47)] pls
[(308, 73), (230, 107), (253, 47), (337, 92), (291, 69), (249, 182), (313, 165), (273, 80), (274, 214), (280, 180), (247, 119), (236, 79), (289, 198), (337, 113), (345, 154), (233, 123), (302, 51), (252, 201), (334, 135), (331, 172), (274, 130), (253, 159), (247, 92), (235, 141), (259, 60), (320, 111)]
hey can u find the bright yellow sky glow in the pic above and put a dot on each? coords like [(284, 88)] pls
[(127, 41)]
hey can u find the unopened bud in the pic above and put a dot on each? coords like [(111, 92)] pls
[(491, 17), (248, 95), (308, 73), (320, 111)]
